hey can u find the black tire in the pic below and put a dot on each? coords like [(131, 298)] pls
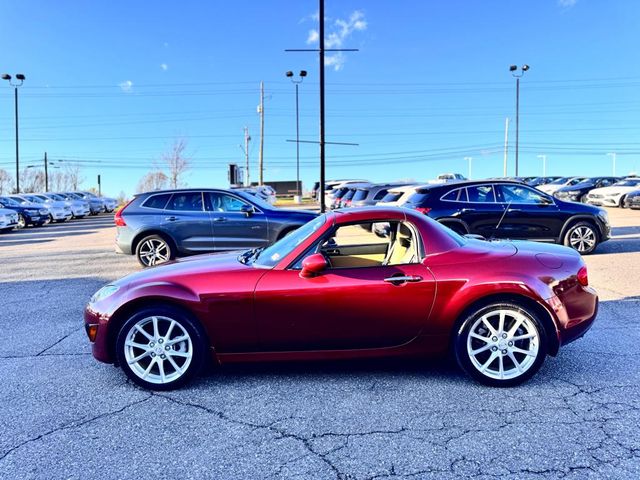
[(583, 198), (622, 200), (199, 348), (579, 230), (472, 364), (22, 222), (163, 247)]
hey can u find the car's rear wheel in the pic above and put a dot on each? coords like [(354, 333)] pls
[(622, 203), (161, 348), (22, 222), (582, 237), (153, 250), (501, 344)]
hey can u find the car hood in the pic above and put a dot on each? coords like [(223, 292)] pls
[(577, 186), (211, 265), (614, 190), (6, 211)]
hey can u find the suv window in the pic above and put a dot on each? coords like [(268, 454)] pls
[(521, 194), (380, 194), (360, 194), (186, 202), (157, 201), (222, 202), (481, 194), (457, 195), (391, 196)]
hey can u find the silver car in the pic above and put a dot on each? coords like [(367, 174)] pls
[(108, 204), (79, 208), (8, 220), (57, 211)]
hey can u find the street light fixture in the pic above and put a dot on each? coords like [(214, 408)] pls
[(20, 78), (290, 75), (514, 72)]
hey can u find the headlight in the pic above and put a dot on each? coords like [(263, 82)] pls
[(104, 292), (43, 211)]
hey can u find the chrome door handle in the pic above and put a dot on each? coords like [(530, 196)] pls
[(171, 219), (464, 210), (407, 278), (219, 219), (514, 210)]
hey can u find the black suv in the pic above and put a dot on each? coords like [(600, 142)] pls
[(504, 209)]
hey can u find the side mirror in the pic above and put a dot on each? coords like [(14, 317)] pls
[(248, 210), (313, 265)]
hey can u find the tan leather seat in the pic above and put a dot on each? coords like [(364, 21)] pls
[(402, 250)]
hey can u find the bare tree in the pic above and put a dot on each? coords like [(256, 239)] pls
[(6, 182), (72, 176), (177, 162), (122, 198), (153, 180), (31, 180)]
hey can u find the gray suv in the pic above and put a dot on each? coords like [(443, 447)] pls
[(159, 226)]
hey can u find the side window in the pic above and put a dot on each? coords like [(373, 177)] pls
[(521, 194), (380, 195), (481, 194), (157, 201), (222, 202), (458, 195), (186, 202)]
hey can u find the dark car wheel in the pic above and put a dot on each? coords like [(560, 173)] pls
[(22, 222), (623, 203), (153, 250), (583, 198), (501, 344), (161, 348), (582, 237)]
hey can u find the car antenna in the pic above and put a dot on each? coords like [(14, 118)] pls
[(501, 218)]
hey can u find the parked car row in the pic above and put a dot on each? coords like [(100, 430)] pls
[(37, 209), (496, 208)]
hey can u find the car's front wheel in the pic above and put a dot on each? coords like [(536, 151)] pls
[(501, 344), (582, 237), (153, 250), (22, 222), (161, 348)]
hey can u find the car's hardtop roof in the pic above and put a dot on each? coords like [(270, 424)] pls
[(372, 213), (177, 190), (383, 185), (465, 183)]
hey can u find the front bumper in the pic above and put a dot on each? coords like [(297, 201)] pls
[(602, 201), (632, 202), (100, 345), (80, 212)]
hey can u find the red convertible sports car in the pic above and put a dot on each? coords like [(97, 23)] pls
[(338, 288)]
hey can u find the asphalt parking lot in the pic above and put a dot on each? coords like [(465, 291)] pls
[(64, 415)]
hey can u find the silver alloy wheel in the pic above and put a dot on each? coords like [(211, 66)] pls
[(22, 222), (158, 349), (582, 238), (154, 251), (503, 344)]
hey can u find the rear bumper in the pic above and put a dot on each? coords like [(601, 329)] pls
[(576, 308)]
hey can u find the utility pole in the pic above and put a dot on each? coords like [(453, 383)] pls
[(506, 146), (246, 156), (544, 164), (613, 156), (469, 159), (321, 67), (513, 69), (261, 160), (99, 186), (46, 173)]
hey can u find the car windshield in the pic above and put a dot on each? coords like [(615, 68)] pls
[(575, 181), (270, 256), (55, 196), (9, 201), (32, 198), (628, 183)]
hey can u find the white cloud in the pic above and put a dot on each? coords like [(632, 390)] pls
[(567, 3), (126, 86), (164, 66), (339, 31)]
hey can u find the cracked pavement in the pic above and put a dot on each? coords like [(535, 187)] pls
[(64, 415)]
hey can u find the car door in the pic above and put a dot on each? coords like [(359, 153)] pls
[(186, 220), (530, 214), (481, 213), (343, 308), (237, 224)]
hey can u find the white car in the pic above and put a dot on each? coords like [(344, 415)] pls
[(395, 197), (613, 195), (331, 187), (552, 187), (8, 219), (57, 211), (79, 208)]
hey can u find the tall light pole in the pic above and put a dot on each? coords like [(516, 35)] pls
[(544, 164), (297, 82), (517, 73), (20, 78), (469, 159), (613, 156)]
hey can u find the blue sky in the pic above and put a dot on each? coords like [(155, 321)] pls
[(111, 84)]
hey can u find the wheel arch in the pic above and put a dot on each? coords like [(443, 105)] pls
[(571, 221), (542, 312), (124, 312), (153, 231)]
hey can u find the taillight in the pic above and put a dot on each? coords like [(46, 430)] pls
[(424, 210), (117, 218), (583, 277)]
